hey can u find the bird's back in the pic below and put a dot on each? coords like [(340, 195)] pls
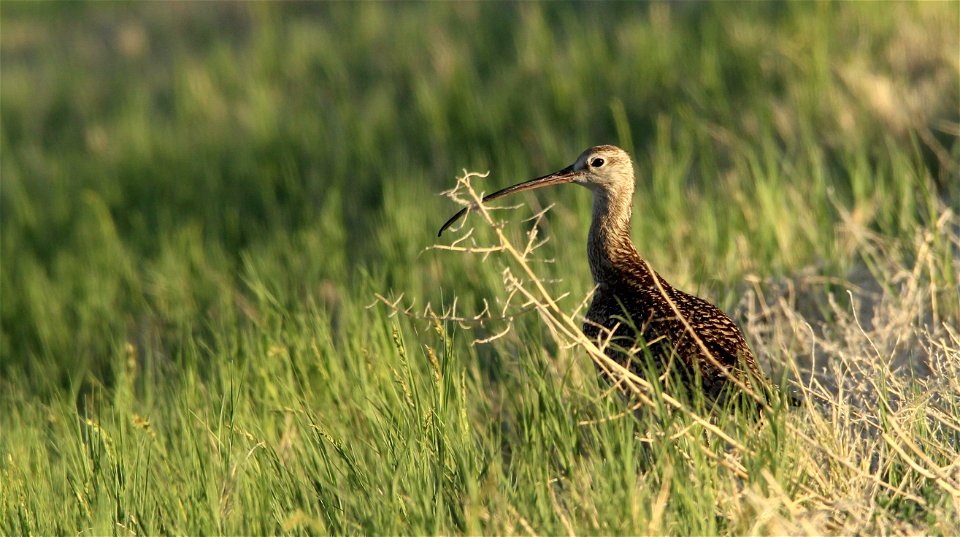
[(674, 325)]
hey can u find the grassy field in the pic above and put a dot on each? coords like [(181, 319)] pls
[(201, 204)]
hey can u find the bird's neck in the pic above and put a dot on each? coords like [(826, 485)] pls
[(609, 247)]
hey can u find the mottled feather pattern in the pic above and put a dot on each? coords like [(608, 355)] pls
[(666, 335)]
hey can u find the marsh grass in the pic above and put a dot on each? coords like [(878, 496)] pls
[(878, 389), (198, 203)]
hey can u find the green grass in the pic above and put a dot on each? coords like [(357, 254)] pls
[(198, 203)]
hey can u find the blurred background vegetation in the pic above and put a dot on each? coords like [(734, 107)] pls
[(156, 157), (199, 200)]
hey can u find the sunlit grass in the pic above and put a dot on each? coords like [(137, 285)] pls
[(198, 203)]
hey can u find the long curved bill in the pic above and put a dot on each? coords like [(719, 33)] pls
[(566, 175)]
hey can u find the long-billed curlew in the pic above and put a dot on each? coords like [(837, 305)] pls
[(631, 298)]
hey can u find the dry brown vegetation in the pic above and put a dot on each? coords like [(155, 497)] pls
[(875, 357)]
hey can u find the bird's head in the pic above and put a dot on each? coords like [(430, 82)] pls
[(604, 169)]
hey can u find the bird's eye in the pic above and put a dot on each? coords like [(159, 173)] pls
[(597, 162)]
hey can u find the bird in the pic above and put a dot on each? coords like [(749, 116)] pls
[(632, 302)]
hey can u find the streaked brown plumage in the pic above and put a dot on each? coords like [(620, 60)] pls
[(628, 299)]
